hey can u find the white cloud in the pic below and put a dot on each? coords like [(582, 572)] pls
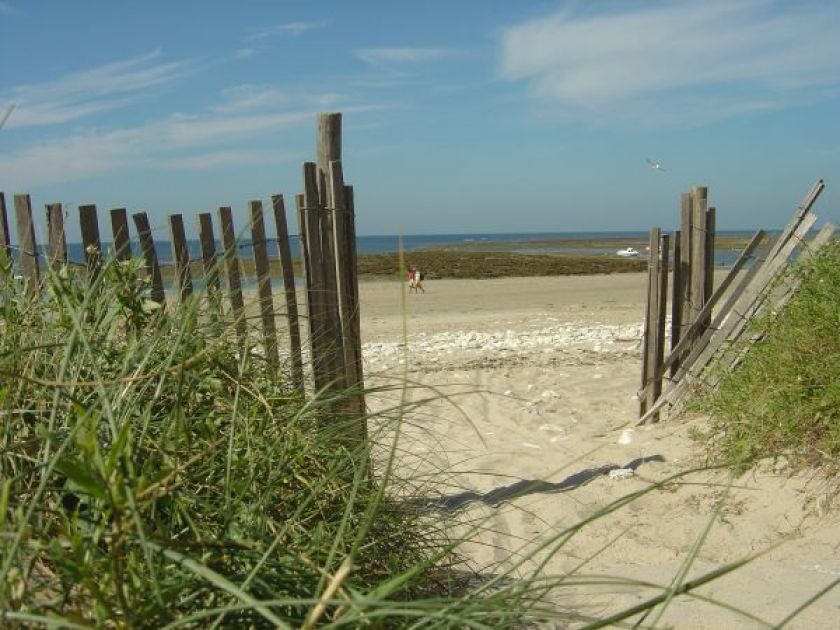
[(290, 28), (94, 90), (648, 62), (404, 54)]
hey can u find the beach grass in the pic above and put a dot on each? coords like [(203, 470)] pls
[(784, 397), (154, 473)]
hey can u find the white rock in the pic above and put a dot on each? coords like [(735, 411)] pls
[(508, 392), (529, 445), (621, 473), (626, 437)]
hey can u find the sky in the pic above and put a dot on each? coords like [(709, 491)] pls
[(470, 116)]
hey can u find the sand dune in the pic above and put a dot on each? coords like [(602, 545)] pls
[(537, 435)]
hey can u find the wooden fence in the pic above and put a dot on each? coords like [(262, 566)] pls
[(707, 323), (326, 216)]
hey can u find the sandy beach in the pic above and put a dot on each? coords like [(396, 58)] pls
[(533, 404)]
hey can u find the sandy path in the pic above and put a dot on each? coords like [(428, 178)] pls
[(546, 370)]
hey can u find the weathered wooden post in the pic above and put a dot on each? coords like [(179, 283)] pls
[(676, 295), (180, 256), (355, 314), (57, 239), (209, 260), (698, 252), (5, 240), (651, 318), (26, 243), (658, 350), (285, 254), (147, 246), (266, 299), (119, 228), (90, 240), (231, 256)]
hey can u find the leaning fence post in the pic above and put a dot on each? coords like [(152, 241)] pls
[(26, 243), (261, 267), (147, 246), (709, 271), (57, 240), (285, 254), (231, 255)]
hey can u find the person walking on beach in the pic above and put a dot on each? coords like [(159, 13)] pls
[(411, 280), (418, 280)]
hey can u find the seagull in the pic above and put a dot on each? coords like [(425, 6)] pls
[(656, 166)]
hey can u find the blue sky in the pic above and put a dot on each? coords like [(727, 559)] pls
[(470, 116)]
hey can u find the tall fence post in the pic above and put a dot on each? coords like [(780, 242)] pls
[(147, 246), (658, 350), (686, 230), (322, 333), (676, 295), (119, 228), (335, 186), (5, 240), (285, 254), (180, 256), (209, 259), (26, 243), (231, 256), (57, 239), (709, 256), (649, 338), (89, 224), (697, 280), (266, 300), (355, 314)]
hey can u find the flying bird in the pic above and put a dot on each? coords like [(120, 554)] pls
[(656, 166)]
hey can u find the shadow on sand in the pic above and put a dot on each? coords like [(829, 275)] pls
[(454, 502)]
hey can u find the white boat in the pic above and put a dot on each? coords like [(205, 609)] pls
[(628, 252)]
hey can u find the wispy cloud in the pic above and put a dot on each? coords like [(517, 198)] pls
[(215, 140), (405, 54), (231, 157), (244, 53), (685, 61), (78, 94), (289, 28), (255, 97)]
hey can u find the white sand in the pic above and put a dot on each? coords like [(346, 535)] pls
[(541, 375)]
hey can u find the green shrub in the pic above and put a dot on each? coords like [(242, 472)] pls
[(784, 397)]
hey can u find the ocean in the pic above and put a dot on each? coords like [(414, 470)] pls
[(527, 243)]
